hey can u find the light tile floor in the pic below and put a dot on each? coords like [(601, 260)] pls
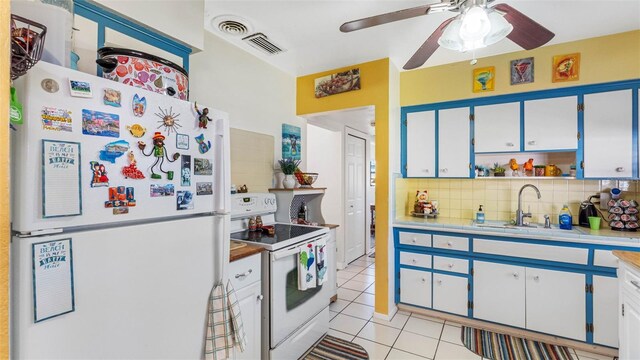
[(407, 336)]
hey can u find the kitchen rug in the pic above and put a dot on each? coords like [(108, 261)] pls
[(496, 346), (333, 348)]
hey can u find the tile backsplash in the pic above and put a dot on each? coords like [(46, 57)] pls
[(461, 198)]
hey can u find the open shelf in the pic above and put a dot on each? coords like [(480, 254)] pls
[(525, 177)]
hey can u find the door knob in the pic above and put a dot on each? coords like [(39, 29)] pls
[(450, 266), (619, 169), (413, 240), (449, 244), (413, 261), (516, 275), (260, 297), (532, 142), (424, 280), (536, 278), (510, 144)]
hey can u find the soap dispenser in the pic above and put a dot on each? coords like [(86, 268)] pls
[(564, 218), (480, 216)]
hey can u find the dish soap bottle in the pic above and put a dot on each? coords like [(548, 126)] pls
[(480, 216), (564, 218)]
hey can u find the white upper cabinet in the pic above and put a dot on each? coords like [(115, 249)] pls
[(497, 128), (551, 124), (608, 134), (421, 139), (454, 144)]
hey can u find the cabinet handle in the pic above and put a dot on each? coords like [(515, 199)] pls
[(413, 240), (449, 244), (510, 144), (424, 280), (536, 278), (516, 275), (426, 170), (413, 261), (532, 142), (444, 170), (619, 169), (439, 282), (635, 283), (245, 274), (260, 297), (450, 266)]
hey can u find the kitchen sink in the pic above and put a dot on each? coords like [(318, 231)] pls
[(499, 225)]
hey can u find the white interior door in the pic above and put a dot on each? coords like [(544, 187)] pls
[(355, 221), (551, 124), (421, 140), (497, 127), (605, 310), (499, 293), (453, 143)]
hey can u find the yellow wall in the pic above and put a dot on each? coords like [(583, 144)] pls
[(374, 91), (4, 180), (603, 59)]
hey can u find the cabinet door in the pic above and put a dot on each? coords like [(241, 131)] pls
[(497, 128), (415, 287), (453, 143), (551, 124), (629, 326), (249, 299), (605, 310), (421, 144), (556, 303), (499, 293), (608, 135), (450, 293)]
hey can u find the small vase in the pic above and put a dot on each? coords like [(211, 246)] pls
[(289, 182)]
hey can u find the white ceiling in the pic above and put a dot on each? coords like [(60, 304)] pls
[(308, 29)]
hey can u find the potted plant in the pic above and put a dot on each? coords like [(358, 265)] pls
[(288, 167), (498, 170)]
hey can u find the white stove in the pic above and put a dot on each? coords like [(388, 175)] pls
[(302, 316)]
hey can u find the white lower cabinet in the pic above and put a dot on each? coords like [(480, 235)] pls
[(415, 287), (250, 300), (556, 303), (605, 310), (629, 312), (450, 294), (499, 293)]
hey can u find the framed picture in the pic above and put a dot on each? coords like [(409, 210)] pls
[(291, 142), (52, 279), (337, 83), (566, 68), (484, 79), (61, 192), (521, 71)]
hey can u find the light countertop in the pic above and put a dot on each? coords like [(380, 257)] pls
[(630, 257)]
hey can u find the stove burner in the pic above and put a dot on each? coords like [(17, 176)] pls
[(284, 232)]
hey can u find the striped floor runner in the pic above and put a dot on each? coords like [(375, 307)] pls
[(332, 348), (496, 346)]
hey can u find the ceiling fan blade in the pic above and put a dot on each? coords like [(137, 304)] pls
[(428, 47), (384, 18), (526, 32)]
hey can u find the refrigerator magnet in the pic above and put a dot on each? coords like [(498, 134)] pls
[(53, 288), (112, 97), (80, 89), (56, 119), (160, 152), (185, 170), (50, 85), (203, 118), (120, 196), (114, 150), (99, 174), (162, 190), (184, 200), (137, 130), (61, 192), (98, 123), (202, 166), (131, 171), (182, 141), (204, 188), (139, 105), (169, 120), (203, 145)]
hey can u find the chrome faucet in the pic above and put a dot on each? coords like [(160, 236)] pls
[(520, 215)]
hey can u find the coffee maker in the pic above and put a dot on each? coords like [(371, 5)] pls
[(587, 209)]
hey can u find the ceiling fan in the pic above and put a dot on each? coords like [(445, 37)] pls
[(476, 26)]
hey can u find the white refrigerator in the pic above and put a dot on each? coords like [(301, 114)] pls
[(108, 260)]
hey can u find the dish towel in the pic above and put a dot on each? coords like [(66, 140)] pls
[(224, 324), (306, 267), (321, 264)]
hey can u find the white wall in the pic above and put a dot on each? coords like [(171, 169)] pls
[(257, 96)]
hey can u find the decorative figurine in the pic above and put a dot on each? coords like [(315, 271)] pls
[(139, 105), (252, 224), (99, 174), (169, 120), (528, 167), (203, 119), (202, 145), (513, 164), (114, 150), (160, 152), (131, 171), (243, 189)]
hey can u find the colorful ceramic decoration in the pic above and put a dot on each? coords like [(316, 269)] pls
[(114, 150), (566, 68), (513, 164), (169, 120), (184, 200), (522, 71), (202, 167), (203, 119), (120, 197), (55, 119), (159, 190), (112, 97), (50, 85), (182, 141), (80, 88), (160, 153), (484, 79), (100, 124), (337, 83), (204, 188), (291, 142), (137, 130), (203, 145), (185, 170), (99, 178), (131, 171), (139, 105)]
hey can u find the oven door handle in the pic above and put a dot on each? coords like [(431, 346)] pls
[(277, 255)]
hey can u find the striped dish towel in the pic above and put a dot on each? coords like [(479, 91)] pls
[(224, 324)]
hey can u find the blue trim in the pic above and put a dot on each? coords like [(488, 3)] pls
[(634, 132), (472, 147), (403, 143), (589, 308), (101, 41), (580, 152), (522, 126), (437, 144)]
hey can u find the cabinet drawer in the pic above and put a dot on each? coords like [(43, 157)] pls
[(532, 251), (245, 271), (451, 242), (605, 258), (451, 264), (631, 281), (412, 259), (450, 294), (409, 238), (415, 287)]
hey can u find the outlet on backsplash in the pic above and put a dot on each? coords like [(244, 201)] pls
[(460, 198)]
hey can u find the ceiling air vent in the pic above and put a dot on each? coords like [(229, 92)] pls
[(262, 43), (231, 25)]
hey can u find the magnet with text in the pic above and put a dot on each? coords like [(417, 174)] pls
[(131, 171), (80, 88), (99, 178), (203, 118), (114, 150), (120, 196), (203, 145), (137, 130), (112, 97), (159, 151), (139, 105), (182, 141)]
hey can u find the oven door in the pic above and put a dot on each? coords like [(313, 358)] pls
[(289, 307)]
